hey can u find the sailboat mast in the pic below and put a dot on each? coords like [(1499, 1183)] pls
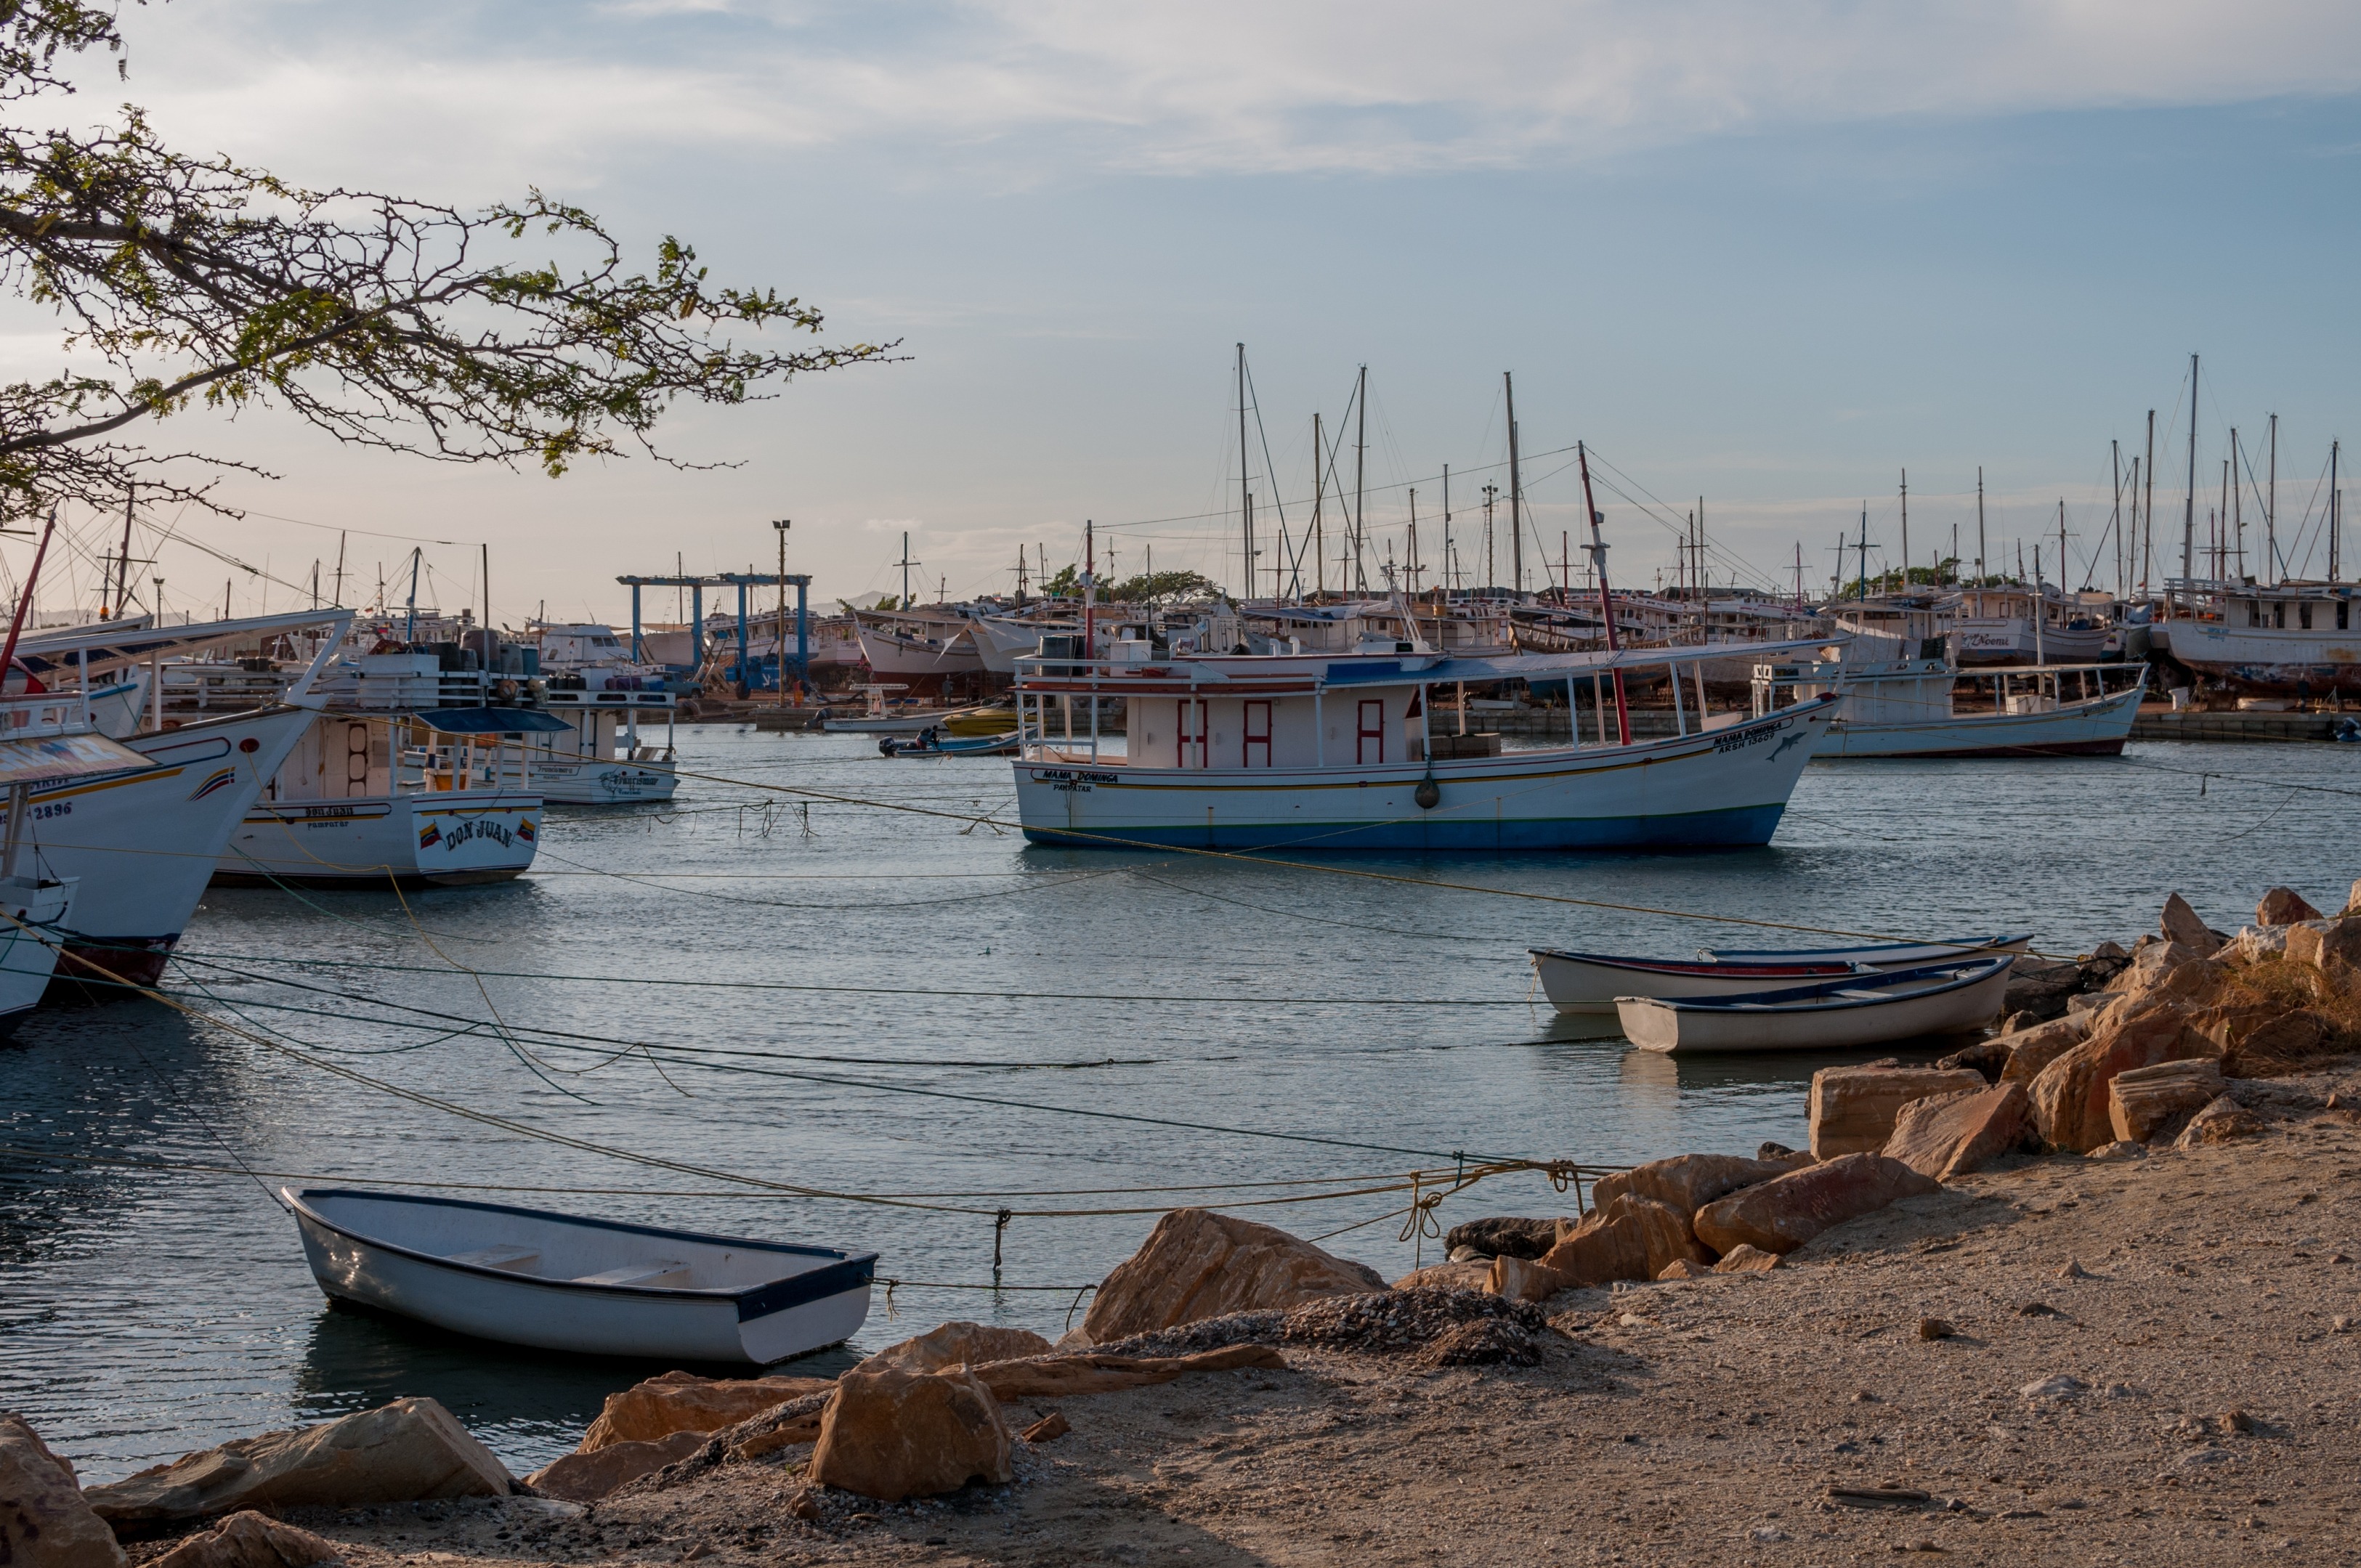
[(1606, 599), (1245, 497), (2189, 508), (2116, 518), (2148, 534), (1979, 524), (1361, 495), (2336, 516), (1516, 492), (1906, 530), (2238, 502), (2271, 508), (1319, 495)]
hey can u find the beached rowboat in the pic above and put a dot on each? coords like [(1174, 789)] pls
[(1830, 1015), (567, 1282)]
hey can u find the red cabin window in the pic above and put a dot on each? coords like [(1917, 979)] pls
[(1370, 739), (1258, 735), (1191, 730)]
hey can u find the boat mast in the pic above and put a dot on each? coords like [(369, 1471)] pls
[(1446, 535), (2148, 535), (1318, 494), (1606, 599), (123, 578), (1245, 497), (2189, 507), (1980, 530), (2335, 515), (1516, 492), (1361, 495), (2116, 518), (1090, 599), (409, 633), (1906, 530), (906, 564), (2271, 508), (2238, 502)]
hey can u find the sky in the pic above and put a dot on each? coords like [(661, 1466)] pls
[(1767, 257)]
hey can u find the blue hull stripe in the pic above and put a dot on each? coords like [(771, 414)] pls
[(1736, 827)]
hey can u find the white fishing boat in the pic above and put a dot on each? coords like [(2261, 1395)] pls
[(596, 756), (1334, 752), (1590, 983), (908, 646), (878, 719), (48, 740), (1825, 1015), (417, 800), (141, 842), (2293, 639), (565, 1282), (1911, 708), (2018, 625)]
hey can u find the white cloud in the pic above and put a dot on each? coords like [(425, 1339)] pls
[(1216, 85)]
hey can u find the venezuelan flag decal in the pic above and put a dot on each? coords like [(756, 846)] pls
[(525, 830), (430, 836), (220, 780)]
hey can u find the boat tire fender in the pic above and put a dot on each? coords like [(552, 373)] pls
[(1429, 794)]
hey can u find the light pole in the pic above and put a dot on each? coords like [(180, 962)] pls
[(779, 644)]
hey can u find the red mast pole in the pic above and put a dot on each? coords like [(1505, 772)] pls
[(1606, 600), (24, 600)]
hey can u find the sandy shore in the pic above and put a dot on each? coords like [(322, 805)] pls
[(2194, 1297)]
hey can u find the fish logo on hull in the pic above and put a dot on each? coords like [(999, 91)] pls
[(220, 780)]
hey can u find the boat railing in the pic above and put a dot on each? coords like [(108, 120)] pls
[(2015, 688), (30, 715)]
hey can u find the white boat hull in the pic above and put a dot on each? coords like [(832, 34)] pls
[(894, 655), (1654, 1026), (1582, 987), (141, 847), (28, 954), (426, 838), (2000, 641), (1720, 788), (825, 1304), (2269, 660), (562, 780), (2097, 727)]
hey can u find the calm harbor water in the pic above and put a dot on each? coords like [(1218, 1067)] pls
[(885, 1002)]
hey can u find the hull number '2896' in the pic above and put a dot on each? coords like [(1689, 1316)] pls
[(1070, 779)]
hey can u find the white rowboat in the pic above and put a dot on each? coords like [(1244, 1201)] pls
[(1831, 1015), (1877, 955), (1590, 983), (568, 1283)]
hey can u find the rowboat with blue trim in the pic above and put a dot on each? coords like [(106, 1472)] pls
[(567, 1282), (1588, 983), (1828, 1016), (1877, 955)]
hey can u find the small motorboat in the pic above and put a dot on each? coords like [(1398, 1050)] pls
[(932, 742), (1831, 1015), (567, 1282), (1590, 983)]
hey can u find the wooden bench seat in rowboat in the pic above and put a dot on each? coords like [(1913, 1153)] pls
[(675, 1274), (515, 1259)]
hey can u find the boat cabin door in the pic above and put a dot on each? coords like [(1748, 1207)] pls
[(1194, 728)]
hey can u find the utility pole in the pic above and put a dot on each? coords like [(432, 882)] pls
[(1516, 491), (779, 642)]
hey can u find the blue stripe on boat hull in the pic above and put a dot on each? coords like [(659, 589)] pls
[(1746, 827)]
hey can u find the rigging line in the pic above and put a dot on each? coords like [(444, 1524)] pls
[(216, 959), (645, 879), (524, 1129), (500, 1024), (364, 532), (1350, 925), (33, 1152), (1118, 842)]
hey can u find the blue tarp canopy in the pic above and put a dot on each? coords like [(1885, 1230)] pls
[(491, 722)]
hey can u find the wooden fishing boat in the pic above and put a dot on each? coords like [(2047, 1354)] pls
[(1589, 982), (570, 1283), (1830, 1015)]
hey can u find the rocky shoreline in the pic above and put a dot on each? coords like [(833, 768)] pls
[(2086, 1292)]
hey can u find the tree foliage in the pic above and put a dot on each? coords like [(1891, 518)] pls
[(1149, 587), (514, 334)]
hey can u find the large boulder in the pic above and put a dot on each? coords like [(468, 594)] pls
[(682, 1401), (2070, 1098), (2220, 1122), (2151, 964), (2027, 1051), (2181, 925), (2039, 989), (1854, 1107), (2331, 946), (1782, 1215), (1630, 1238), (250, 1539), (45, 1521), (404, 1453), (1503, 1236), (585, 1476), (2283, 906), (2147, 1104), (1688, 1182), (1197, 1264), (891, 1434), (1946, 1136), (958, 1344)]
